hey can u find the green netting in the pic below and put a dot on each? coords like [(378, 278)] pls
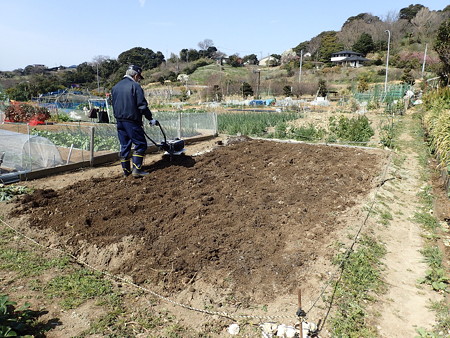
[(377, 93)]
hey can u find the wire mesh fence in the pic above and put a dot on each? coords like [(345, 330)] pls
[(377, 93), (85, 143)]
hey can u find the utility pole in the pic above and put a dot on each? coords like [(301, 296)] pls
[(424, 59), (300, 71), (98, 81), (258, 71), (387, 60)]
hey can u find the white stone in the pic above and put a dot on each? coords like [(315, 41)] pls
[(233, 329)]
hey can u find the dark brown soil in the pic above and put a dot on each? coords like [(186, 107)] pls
[(256, 212)]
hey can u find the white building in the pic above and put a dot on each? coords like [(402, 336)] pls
[(348, 58)]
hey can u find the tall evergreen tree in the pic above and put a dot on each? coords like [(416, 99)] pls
[(329, 44), (247, 90), (364, 44)]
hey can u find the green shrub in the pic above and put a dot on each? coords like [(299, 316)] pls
[(356, 129), (307, 133)]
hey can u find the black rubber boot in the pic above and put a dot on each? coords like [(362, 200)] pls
[(137, 171), (126, 167)]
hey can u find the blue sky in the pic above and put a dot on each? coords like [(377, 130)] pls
[(54, 33)]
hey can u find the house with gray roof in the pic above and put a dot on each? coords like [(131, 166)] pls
[(348, 58)]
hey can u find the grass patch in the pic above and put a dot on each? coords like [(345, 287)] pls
[(75, 288), (443, 316), (427, 221), (25, 263), (426, 197), (436, 275), (360, 280), (6, 235), (386, 217), (126, 323), (398, 160), (69, 288)]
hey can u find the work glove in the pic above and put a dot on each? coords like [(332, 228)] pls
[(154, 122)]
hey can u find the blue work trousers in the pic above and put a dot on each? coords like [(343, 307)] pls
[(131, 133)]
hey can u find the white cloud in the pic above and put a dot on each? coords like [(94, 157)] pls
[(142, 3)]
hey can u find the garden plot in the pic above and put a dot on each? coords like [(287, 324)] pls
[(247, 220)]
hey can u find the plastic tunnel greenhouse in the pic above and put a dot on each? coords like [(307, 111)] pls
[(23, 152)]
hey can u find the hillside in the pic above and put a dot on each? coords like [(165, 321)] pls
[(411, 39)]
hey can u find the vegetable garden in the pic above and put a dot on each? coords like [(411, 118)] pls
[(238, 229)]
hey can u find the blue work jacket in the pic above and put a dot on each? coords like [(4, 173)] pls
[(129, 102)]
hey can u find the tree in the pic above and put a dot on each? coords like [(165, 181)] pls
[(251, 59), (205, 44), (83, 74), (302, 46), (407, 77), (20, 92), (408, 13), (41, 84), (329, 45), (364, 44), (184, 55), (235, 61), (426, 23), (366, 17), (363, 85), (442, 48), (287, 91), (216, 93), (192, 55), (108, 67), (209, 53), (246, 90), (322, 91), (34, 69), (275, 60), (143, 57), (354, 27), (97, 60)]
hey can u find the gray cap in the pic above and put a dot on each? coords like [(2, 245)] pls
[(133, 70)]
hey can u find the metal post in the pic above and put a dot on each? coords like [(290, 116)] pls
[(387, 60), (70, 154), (216, 124), (92, 129), (29, 147), (300, 71), (179, 125), (259, 83), (424, 59), (299, 307), (258, 71), (98, 81), (110, 115)]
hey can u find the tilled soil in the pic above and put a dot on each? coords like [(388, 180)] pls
[(253, 214)]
